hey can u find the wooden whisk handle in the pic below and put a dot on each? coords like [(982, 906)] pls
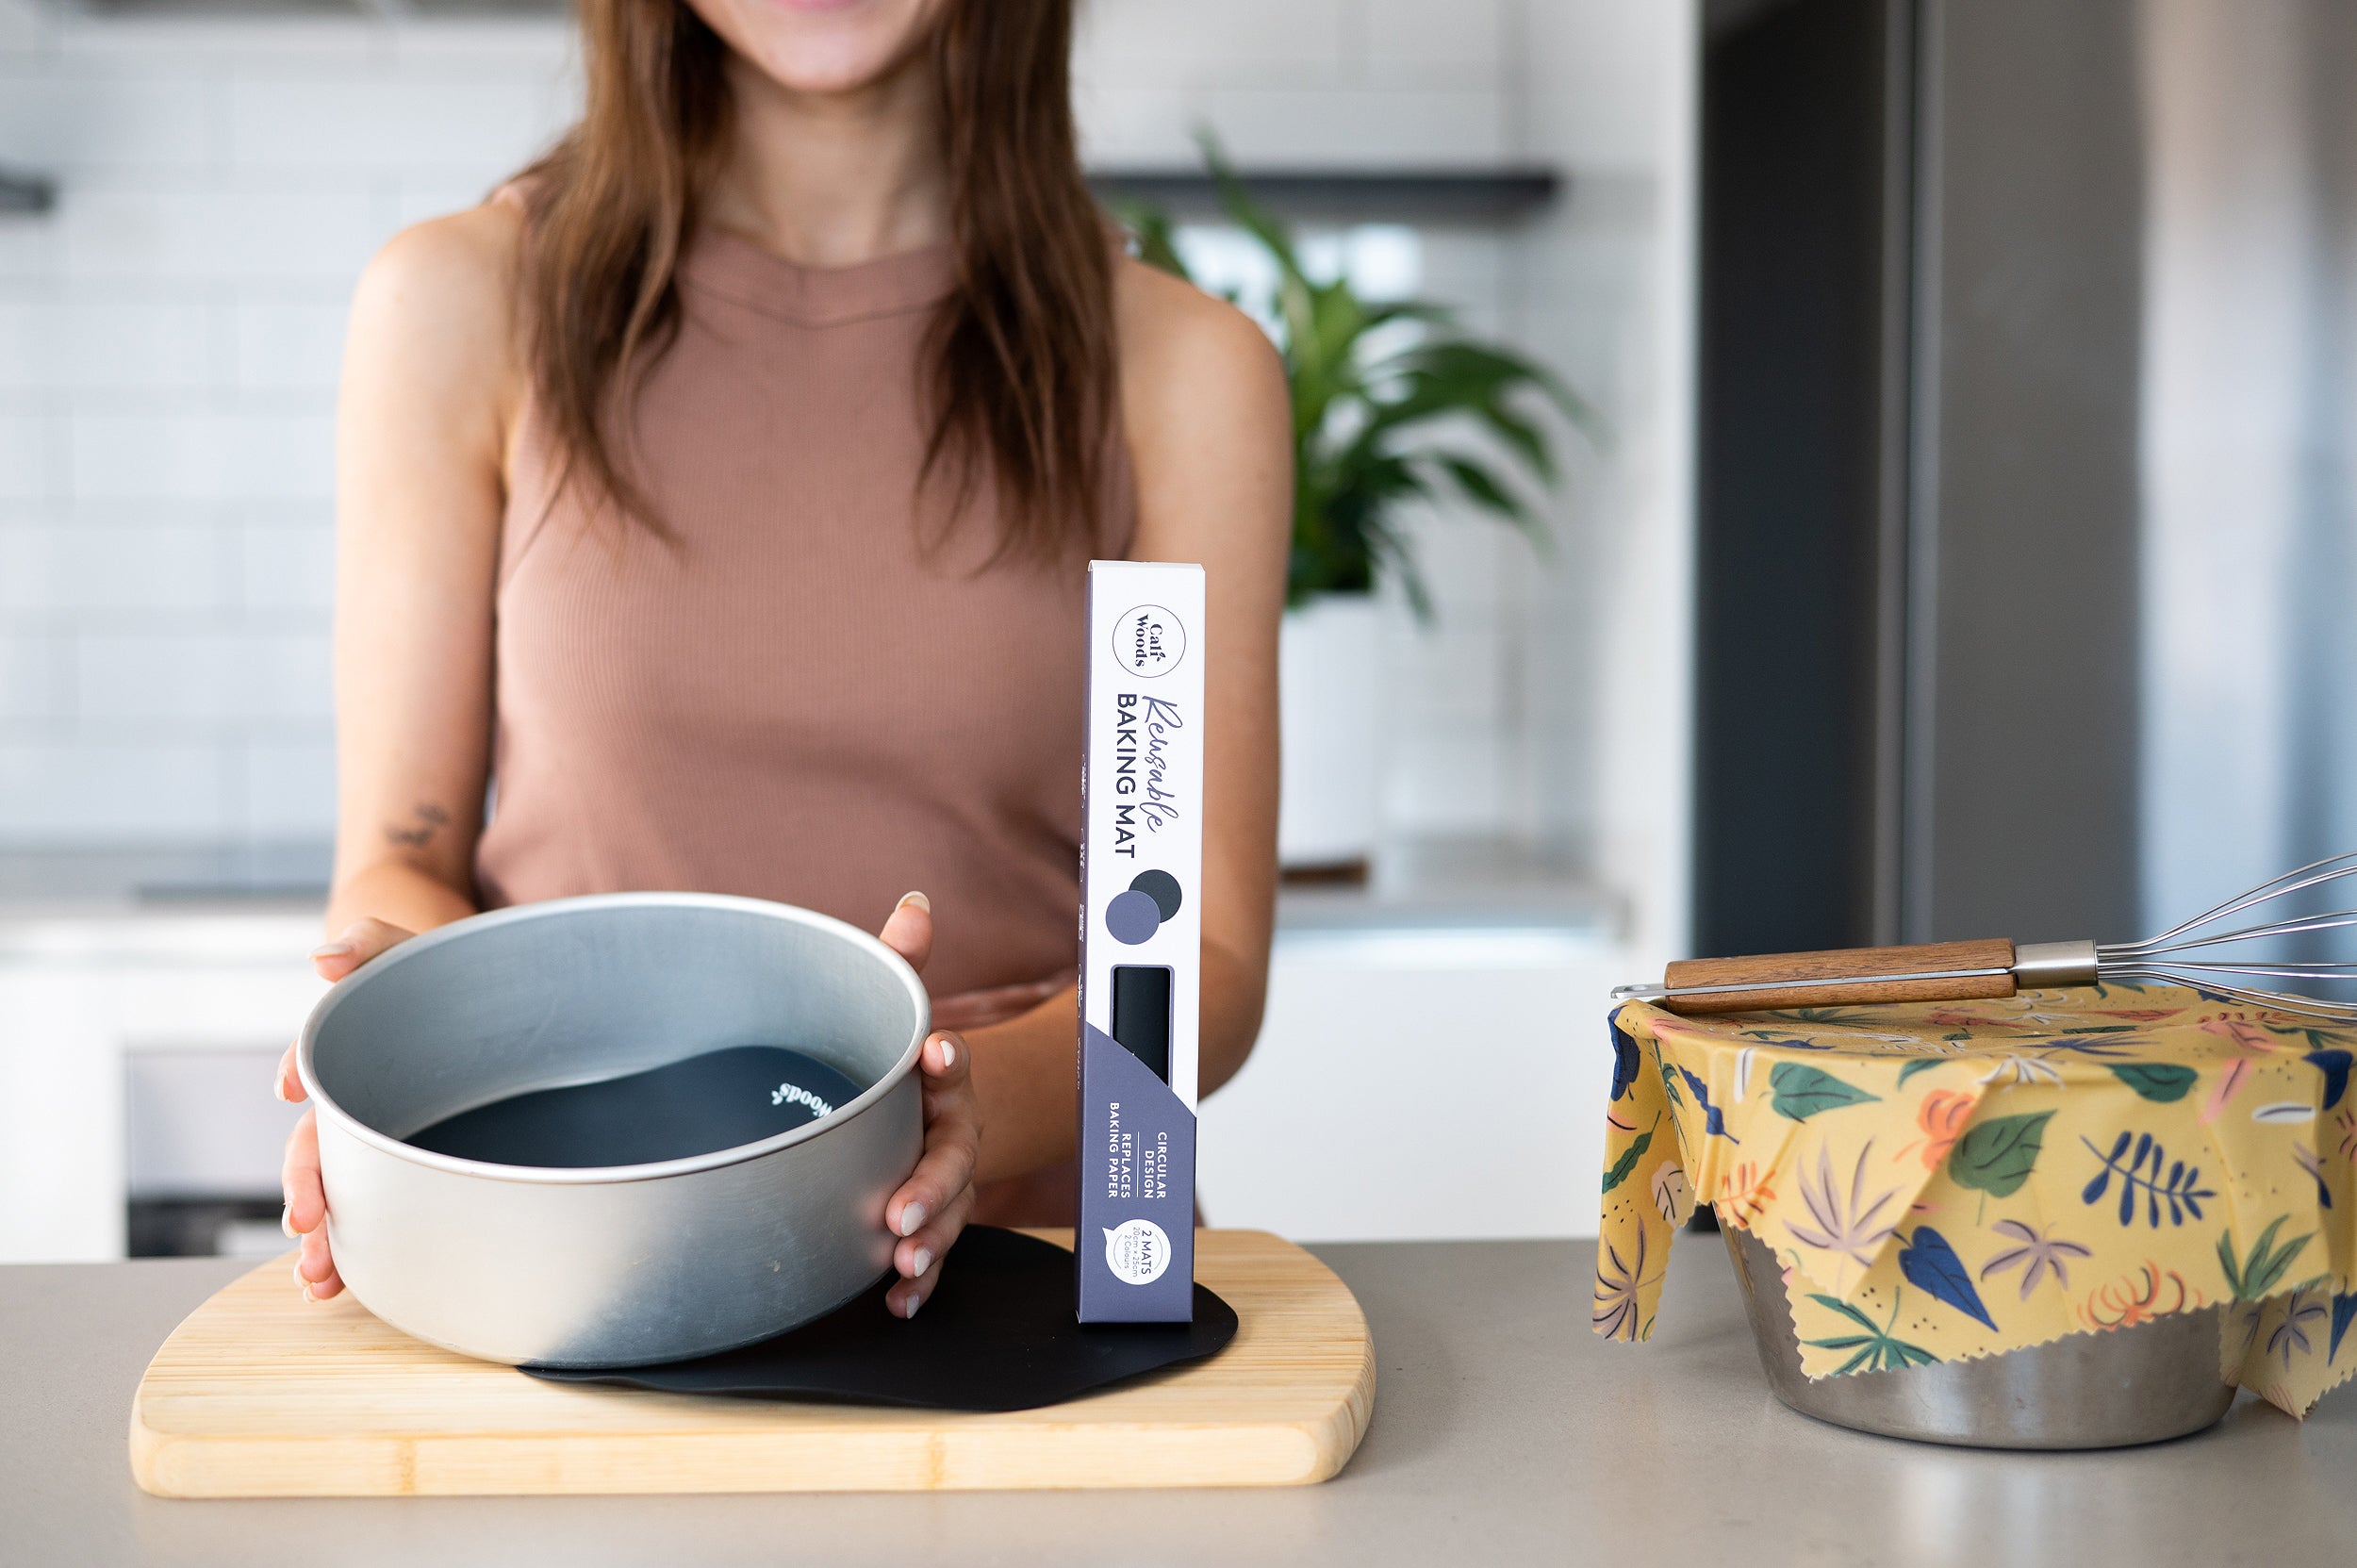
[(1927, 971)]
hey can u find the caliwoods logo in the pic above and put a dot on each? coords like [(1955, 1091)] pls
[(1149, 641), (794, 1094)]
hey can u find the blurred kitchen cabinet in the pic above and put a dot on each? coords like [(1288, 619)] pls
[(1447, 1083), (91, 1005)]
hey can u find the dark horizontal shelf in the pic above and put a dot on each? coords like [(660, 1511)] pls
[(1430, 195), (26, 193)]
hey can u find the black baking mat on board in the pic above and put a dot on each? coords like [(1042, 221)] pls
[(998, 1334)]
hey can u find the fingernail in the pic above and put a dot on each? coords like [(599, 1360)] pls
[(918, 899), (310, 1299), (286, 1219), (332, 949), (923, 1260), (908, 1307), (949, 1054), (278, 1087), (912, 1215), (297, 1272)]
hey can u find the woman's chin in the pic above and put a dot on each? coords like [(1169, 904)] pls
[(820, 46)]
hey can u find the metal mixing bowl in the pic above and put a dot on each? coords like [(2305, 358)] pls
[(2156, 1381), (622, 1265)]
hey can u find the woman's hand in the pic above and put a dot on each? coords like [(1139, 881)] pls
[(299, 1178), (932, 1204)]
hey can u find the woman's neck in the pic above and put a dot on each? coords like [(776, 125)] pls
[(834, 179)]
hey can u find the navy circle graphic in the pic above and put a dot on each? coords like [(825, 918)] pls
[(1162, 888)]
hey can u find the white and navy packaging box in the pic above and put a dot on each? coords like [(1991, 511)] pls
[(1140, 929)]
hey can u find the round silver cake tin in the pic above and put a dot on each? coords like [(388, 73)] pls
[(624, 1264)]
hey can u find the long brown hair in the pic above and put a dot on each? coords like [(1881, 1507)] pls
[(1020, 375)]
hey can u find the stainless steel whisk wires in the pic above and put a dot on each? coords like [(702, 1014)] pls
[(2157, 958), (2208, 952)]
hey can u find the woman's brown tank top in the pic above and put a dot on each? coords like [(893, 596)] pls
[(825, 693)]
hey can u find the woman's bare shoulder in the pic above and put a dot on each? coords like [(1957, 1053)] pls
[(1190, 363), (439, 307), (1208, 420), (478, 245), (1166, 325)]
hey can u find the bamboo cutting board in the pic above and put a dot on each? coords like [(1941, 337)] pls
[(259, 1394)]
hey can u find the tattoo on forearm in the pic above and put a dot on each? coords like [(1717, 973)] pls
[(428, 819)]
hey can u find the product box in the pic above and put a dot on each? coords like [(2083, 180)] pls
[(1141, 926)]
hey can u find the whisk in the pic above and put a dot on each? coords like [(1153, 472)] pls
[(2194, 953)]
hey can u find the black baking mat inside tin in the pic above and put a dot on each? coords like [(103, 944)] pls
[(999, 1333), (720, 1100)]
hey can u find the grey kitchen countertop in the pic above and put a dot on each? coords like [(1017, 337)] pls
[(1503, 1433)]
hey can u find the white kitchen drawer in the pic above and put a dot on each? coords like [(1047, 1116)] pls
[(1416, 1085), (80, 997)]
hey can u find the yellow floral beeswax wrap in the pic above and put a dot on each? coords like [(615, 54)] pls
[(1948, 1179)]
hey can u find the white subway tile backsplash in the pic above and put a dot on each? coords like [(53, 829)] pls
[(1604, 107), (202, 682), (1180, 42), (1123, 124), (22, 562), (1418, 42), (29, 249), (283, 456), (148, 457), (415, 201), (203, 456), (1342, 125), (1463, 267), (1446, 777), (289, 788), (106, 120), (24, 27), (180, 684), (289, 676), (243, 234), (282, 344), (288, 567), (169, 341), (481, 124), (30, 676), (142, 791), (28, 443), (217, 43), (106, 341), (1447, 672), (1465, 559), (23, 344), (95, 561), (529, 47)]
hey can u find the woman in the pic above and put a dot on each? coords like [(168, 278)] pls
[(718, 497)]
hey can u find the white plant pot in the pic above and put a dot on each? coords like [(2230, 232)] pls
[(1328, 674)]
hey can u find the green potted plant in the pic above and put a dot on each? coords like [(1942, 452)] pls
[(1379, 419)]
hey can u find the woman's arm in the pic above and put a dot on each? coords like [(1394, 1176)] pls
[(1210, 431), (423, 420), (430, 383), (1209, 427)]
